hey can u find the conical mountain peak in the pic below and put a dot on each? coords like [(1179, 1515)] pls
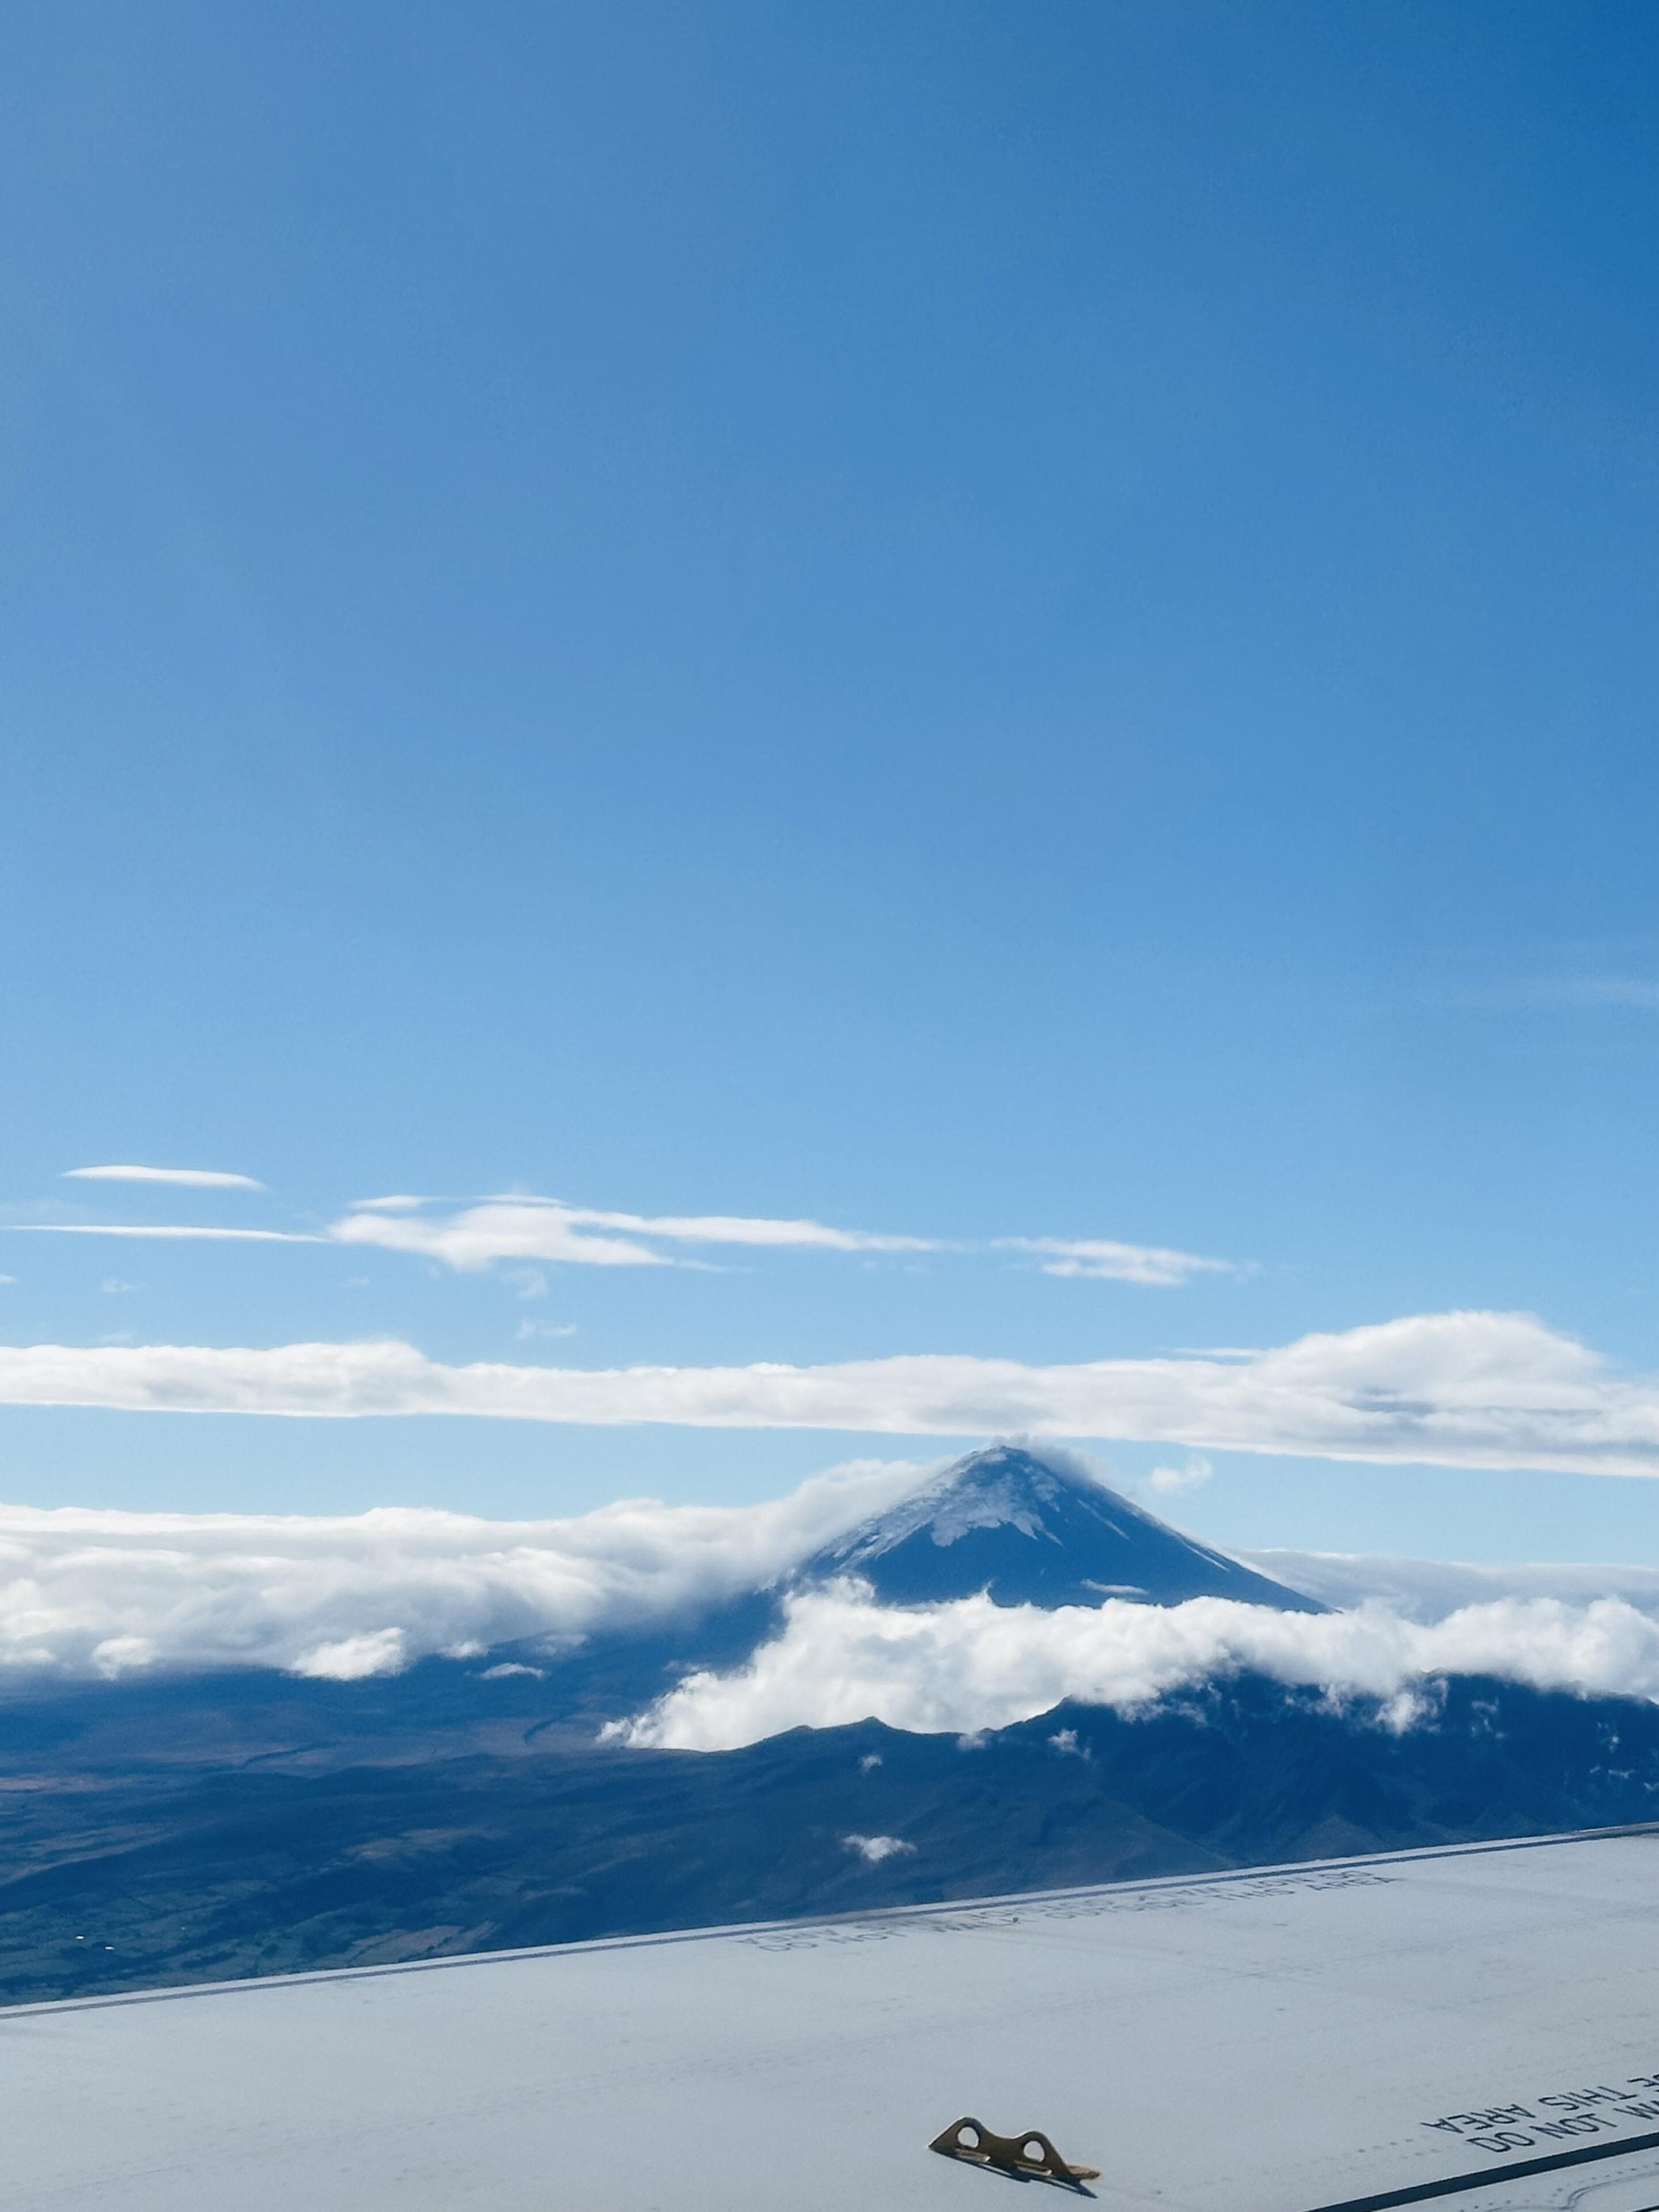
[(1032, 1528)]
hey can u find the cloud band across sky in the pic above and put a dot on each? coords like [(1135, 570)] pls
[(1457, 1389)]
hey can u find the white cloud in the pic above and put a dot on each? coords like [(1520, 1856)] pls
[(1430, 1590), (520, 1227), (516, 1227), (480, 1236), (186, 1232), (1100, 1260), (1618, 991), (1457, 1389), (87, 1592), (115, 1656), (526, 1228), (92, 1592), (1171, 1481), (740, 1229), (968, 1666), (873, 1850), (196, 1178), (356, 1658)]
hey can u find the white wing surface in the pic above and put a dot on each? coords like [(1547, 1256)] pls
[(1476, 2028)]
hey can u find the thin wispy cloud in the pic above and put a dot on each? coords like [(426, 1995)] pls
[(1171, 1481), (193, 1178), (181, 1231), (758, 1231), (1452, 1389), (484, 1236), (522, 1228), (1545, 993), (1428, 1590), (1638, 991), (513, 1227), (1101, 1260)]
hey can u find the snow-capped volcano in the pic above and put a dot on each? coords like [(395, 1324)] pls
[(1032, 1530)]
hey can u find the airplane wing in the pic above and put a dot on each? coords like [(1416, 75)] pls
[(1476, 2028)]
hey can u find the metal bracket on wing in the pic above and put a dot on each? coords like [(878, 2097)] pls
[(1030, 2155)]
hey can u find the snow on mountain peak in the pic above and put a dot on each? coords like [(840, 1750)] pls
[(1034, 1528)]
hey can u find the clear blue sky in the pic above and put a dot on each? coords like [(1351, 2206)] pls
[(969, 621)]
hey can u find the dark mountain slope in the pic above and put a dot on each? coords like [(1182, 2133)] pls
[(264, 1870)]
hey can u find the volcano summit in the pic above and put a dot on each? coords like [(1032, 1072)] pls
[(1033, 1529)]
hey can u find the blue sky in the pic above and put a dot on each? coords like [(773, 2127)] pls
[(967, 622)]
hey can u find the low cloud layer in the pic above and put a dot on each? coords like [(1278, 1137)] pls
[(93, 1593), (88, 1594), (1456, 1389), (972, 1665)]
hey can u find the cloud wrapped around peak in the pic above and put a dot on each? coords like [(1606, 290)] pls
[(971, 1665), (85, 1592), (98, 1593), (1455, 1389)]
